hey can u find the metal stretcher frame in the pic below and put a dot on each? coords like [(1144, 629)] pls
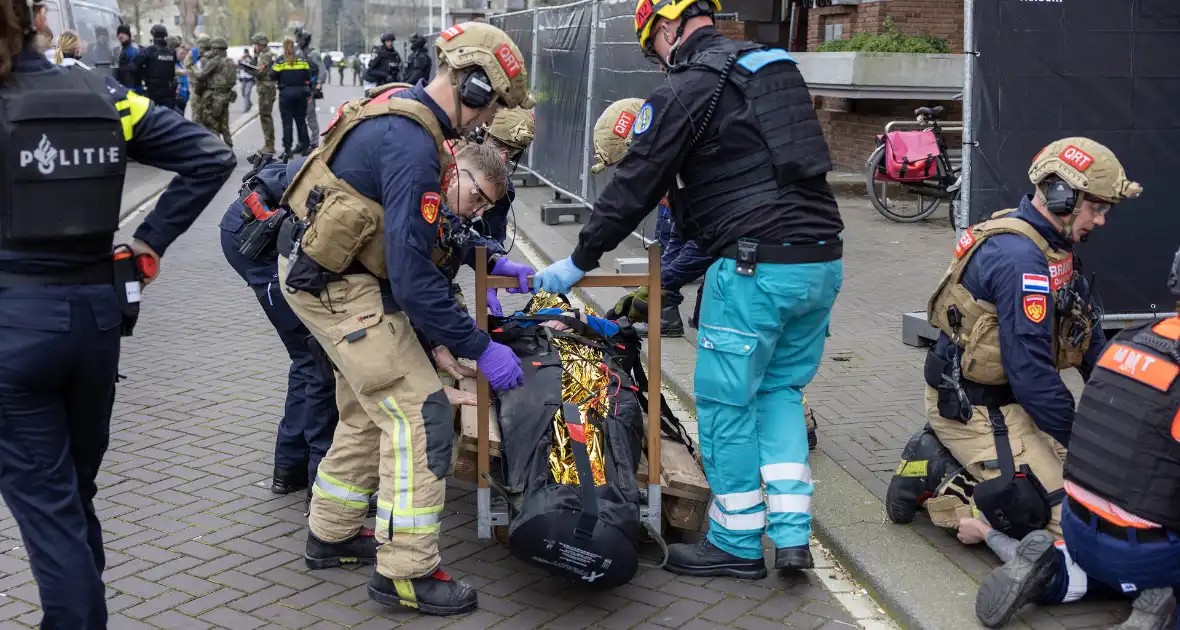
[(651, 279)]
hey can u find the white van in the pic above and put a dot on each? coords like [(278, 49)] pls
[(95, 21)]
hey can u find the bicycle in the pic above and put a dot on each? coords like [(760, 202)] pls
[(928, 191)]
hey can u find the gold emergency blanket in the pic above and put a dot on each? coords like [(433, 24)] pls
[(583, 383)]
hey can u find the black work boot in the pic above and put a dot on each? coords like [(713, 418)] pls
[(434, 594), (705, 559), (793, 558), (360, 549), (1154, 609), (671, 325), (301, 150), (288, 480), (925, 462), (1018, 582)]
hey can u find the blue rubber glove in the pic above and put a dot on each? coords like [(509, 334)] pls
[(494, 304), (558, 277), (502, 367), (508, 268)]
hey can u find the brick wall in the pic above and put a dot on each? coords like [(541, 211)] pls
[(941, 18), (851, 126), (733, 29)]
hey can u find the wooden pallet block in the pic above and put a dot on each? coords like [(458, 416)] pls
[(685, 490)]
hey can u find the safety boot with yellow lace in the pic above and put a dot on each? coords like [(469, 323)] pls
[(361, 548), (925, 462), (434, 594)]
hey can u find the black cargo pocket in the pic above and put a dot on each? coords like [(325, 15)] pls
[(439, 417)]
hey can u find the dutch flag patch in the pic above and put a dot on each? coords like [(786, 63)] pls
[(1034, 283)]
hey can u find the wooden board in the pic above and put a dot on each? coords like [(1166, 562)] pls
[(469, 425), (680, 474)]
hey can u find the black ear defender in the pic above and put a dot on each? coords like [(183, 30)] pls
[(476, 90), (1059, 197)]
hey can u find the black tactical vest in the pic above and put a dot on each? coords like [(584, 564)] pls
[(159, 73), (1125, 444), (753, 152), (63, 165)]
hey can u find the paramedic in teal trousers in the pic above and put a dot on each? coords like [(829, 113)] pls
[(752, 190)]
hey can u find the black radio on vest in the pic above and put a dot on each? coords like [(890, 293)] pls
[(67, 156)]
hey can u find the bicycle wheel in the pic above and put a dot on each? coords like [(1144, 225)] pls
[(894, 200)]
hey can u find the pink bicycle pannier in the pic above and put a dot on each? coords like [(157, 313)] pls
[(910, 156)]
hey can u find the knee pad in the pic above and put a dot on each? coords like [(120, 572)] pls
[(925, 463), (952, 500)]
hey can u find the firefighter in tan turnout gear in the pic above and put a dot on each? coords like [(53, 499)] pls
[(1014, 310), (357, 270)]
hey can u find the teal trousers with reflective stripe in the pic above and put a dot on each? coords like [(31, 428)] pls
[(760, 342)]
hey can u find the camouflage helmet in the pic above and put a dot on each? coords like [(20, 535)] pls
[(203, 42), (1085, 166), (612, 132), (174, 41), (514, 127), (218, 43), (260, 38), (478, 44)]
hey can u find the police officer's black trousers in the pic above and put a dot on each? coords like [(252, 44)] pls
[(309, 414), (59, 355), (293, 109)]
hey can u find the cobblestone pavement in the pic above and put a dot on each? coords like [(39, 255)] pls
[(195, 540), (868, 393)]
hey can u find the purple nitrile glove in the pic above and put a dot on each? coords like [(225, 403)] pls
[(505, 267), (494, 304), (502, 367)]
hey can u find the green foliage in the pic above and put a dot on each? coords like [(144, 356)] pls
[(891, 41)]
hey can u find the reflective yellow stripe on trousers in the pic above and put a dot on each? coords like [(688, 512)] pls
[(333, 489), (400, 515)]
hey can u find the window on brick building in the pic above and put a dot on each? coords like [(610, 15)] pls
[(833, 31)]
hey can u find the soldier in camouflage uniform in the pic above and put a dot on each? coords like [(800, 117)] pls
[(266, 90), (192, 65), (217, 77)]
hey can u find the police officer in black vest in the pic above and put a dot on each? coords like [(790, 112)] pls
[(156, 68), (67, 294)]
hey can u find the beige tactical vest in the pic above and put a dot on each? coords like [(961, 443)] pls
[(979, 334), (347, 226)]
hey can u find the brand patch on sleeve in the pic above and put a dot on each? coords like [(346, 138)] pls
[(1034, 283), (643, 121), (508, 60), (1036, 307), (1140, 366), (1076, 158), (965, 243), (430, 203), (452, 32), (623, 124)]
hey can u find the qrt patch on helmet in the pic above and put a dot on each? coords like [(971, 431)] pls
[(643, 120), (430, 203), (1076, 158), (508, 60), (623, 124), (1036, 307)]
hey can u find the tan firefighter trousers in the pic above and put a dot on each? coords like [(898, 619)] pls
[(396, 429), (974, 446)]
